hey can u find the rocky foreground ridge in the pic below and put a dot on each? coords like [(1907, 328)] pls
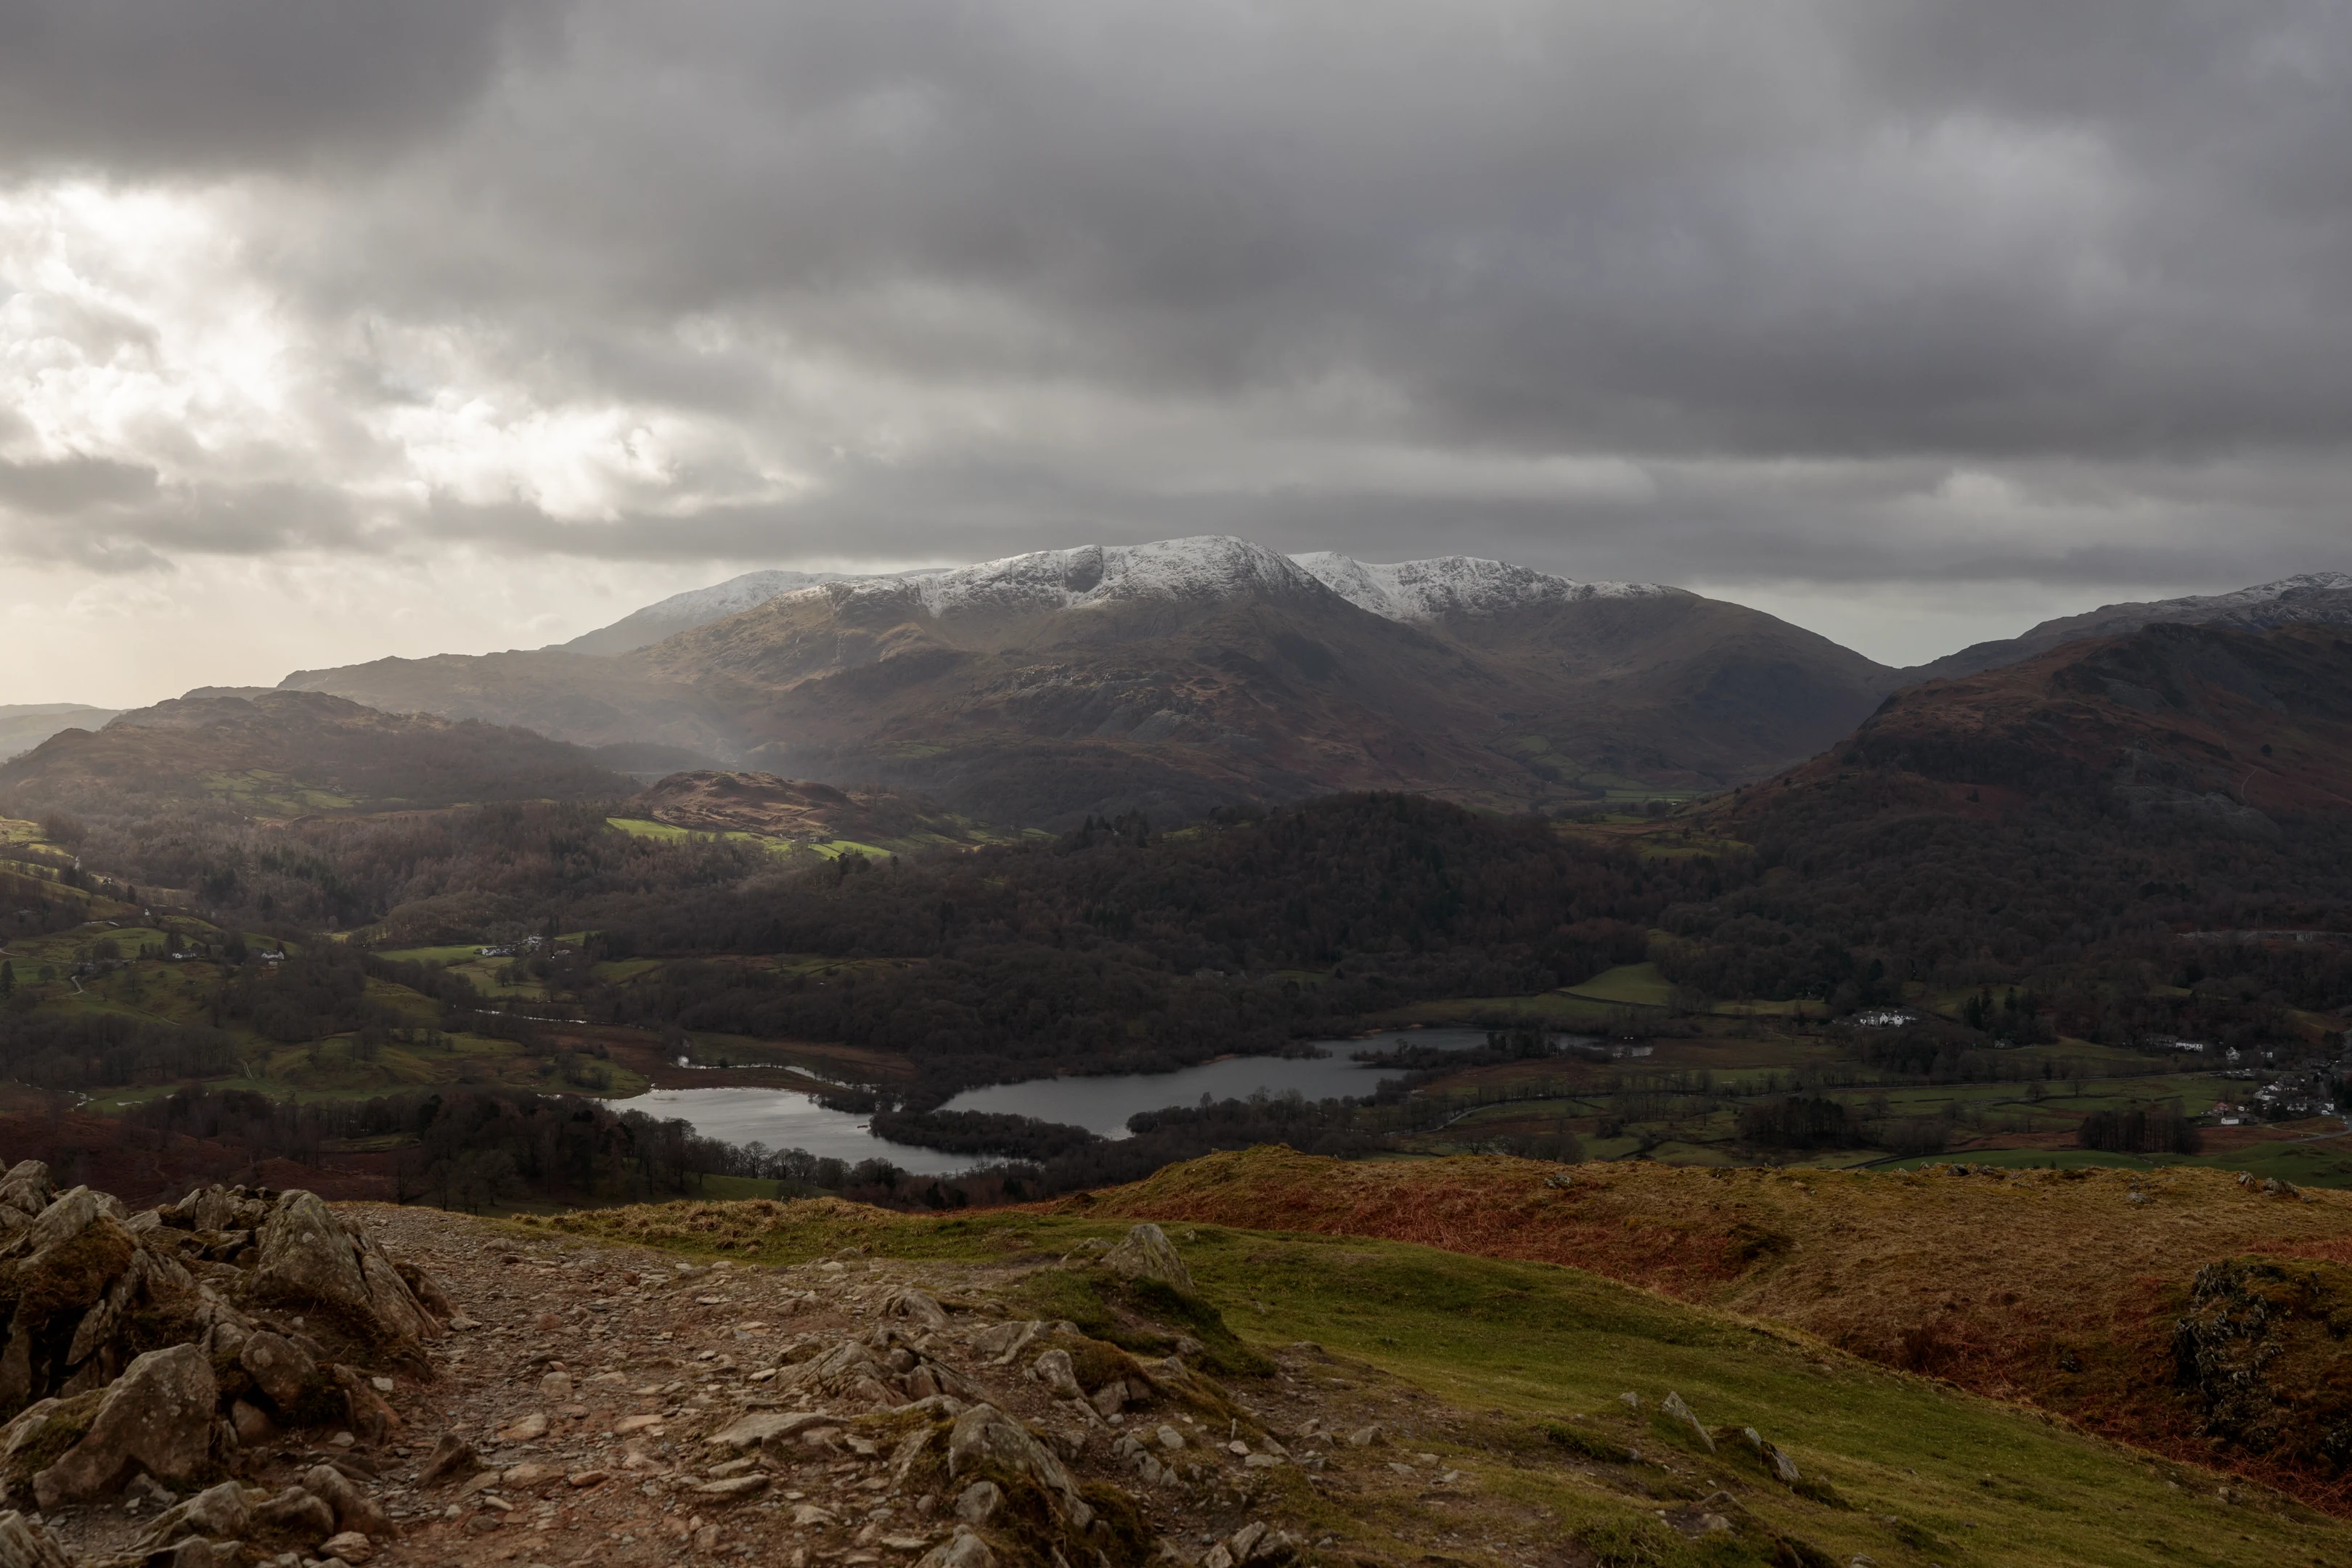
[(246, 1377)]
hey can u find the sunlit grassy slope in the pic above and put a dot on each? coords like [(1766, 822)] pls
[(2062, 1286)]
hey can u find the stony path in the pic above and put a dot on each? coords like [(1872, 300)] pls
[(630, 1359)]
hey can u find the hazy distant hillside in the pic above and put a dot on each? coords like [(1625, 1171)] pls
[(2322, 598), (27, 725), (1186, 674), (575, 697), (289, 753)]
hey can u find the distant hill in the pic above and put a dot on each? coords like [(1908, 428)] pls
[(26, 725), (290, 753), (1187, 674), (2172, 720), (2318, 598), (2057, 824)]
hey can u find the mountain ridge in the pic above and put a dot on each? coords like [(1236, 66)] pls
[(2313, 597)]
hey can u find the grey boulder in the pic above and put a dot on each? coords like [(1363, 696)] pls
[(157, 1418), (1147, 1254)]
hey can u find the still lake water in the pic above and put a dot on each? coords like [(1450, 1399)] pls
[(789, 1119)]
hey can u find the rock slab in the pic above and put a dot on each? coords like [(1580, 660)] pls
[(157, 1418)]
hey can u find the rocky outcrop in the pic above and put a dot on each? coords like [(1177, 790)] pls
[(147, 1344), (311, 1259)]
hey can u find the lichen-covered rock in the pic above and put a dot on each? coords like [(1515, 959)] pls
[(1681, 1415), (282, 1370), (311, 1261), (157, 1418), (1054, 1370), (37, 1435), (1147, 1254), (985, 1438)]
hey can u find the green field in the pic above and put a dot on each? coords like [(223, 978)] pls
[(264, 793), (663, 833), (1627, 985)]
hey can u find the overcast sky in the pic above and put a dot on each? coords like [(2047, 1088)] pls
[(332, 329)]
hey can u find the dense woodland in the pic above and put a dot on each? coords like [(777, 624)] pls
[(2108, 929), (1114, 950)]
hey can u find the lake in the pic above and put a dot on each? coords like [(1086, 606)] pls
[(789, 1119)]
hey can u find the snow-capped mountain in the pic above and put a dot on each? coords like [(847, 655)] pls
[(1178, 676)]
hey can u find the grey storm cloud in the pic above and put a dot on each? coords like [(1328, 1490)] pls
[(988, 275), (128, 85)]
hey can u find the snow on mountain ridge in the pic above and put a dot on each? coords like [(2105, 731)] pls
[(2268, 593), (1202, 568), (1455, 584)]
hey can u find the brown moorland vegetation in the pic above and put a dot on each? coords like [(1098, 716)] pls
[(2182, 1310)]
